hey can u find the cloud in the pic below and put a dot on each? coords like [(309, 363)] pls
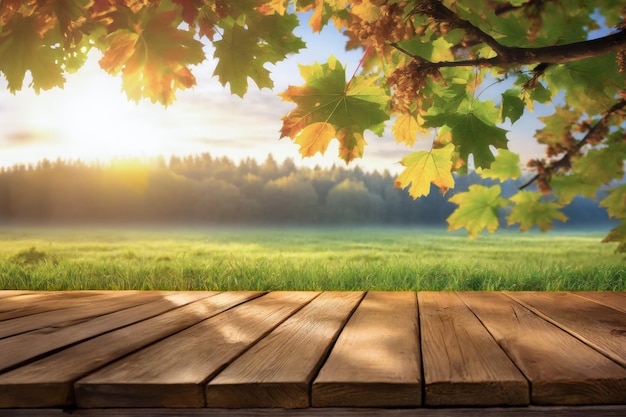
[(27, 138)]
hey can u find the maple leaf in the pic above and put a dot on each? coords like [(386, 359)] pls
[(557, 125), (27, 46), (315, 138), (566, 187), (154, 55), (617, 234), (424, 168), (615, 202), (505, 166), (406, 128), (530, 211), (243, 51), (512, 105), (350, 108), (478, 209), (602, 165)]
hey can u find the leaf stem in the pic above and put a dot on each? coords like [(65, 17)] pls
[(367, 50)]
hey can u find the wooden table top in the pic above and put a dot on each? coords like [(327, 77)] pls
[(422, 353)]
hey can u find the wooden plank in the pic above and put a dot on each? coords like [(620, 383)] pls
[(33, 303), (75, 311), (599, 326), (32, 345), (562, 370), (532, 411), (278, 371), (48, 382), (376, 361), (463, 365), (171, 373), (616, 300), (12, 293)]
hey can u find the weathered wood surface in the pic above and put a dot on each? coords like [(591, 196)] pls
[(560, 368), (278, 371), (463, 365), (376, 360), (531, 411), (303, 353)]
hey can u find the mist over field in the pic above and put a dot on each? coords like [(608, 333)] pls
[(204, 190)]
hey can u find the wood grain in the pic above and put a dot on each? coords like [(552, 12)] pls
[(562, 370), (278, 371), (376, 360), (171, 373), (599, 326), (463, 365), (33, 303), (616, 300), (32, 345), (12, 293), (48, 382), (532, 411), (68, 313)]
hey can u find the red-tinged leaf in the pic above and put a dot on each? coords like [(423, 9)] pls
[(7, 9), (530, 211), (190, 9), (154, 56), (352, 144), (424, 168), (315, 138), (327, 98), (478, 209)]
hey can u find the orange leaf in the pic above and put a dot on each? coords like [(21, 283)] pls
[(315, 138)]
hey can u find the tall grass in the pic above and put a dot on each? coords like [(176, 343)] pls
[(304, 259)]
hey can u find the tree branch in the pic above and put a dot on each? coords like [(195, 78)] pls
[(565, 159), (515, 56)]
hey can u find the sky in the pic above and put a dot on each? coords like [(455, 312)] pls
[(91, 119)]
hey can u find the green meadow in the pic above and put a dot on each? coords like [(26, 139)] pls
[(305, 259)]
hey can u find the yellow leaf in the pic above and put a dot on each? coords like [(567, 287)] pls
[(424, 168), (315, 138), (406, 128)]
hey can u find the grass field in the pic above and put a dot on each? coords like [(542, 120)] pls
[(305, 258)]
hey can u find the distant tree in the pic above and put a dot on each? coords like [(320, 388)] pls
[(425, 68), (290, 199), (351, 202)]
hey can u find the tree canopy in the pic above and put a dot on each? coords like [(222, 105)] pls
[(425, 67)]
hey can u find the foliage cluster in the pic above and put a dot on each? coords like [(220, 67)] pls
[(207, 190), (306, 258), (424, 68)]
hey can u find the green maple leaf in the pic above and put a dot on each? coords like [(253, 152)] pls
[(505, 166), (478, 209), (350, 108), (566, 187), (617, 234), (424, 168), (473, 130), (27, 46), (615, 202), (512, 105), (600, 166), (586, 87), (530, 211), (244, 50), (557, 125)]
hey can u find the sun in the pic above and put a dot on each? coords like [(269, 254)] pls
[(98, 122)]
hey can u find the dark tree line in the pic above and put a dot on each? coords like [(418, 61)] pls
[(207, 190)]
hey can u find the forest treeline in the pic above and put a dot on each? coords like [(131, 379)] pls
[(201, 189)]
